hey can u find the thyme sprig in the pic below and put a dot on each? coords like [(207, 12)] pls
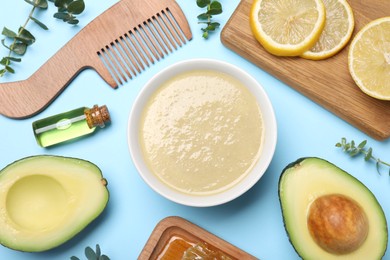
[(353, 150), (20, 40), (213, 8), (92, 254)]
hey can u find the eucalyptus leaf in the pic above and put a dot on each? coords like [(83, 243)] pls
[(19, 48), (14, 59), (202, 3), (362, 144), (215, 8), (61, 3), (354, 152), (76, 7), (30, 2), (368, 154), (39, 23), (98, 251), (42, 4), (4, 61), (203, 16), (73, 257), (214, 11), (72, 21), (104, 257), (25, 36), (9, 69), (8, 33), (89, 253), (62, 16), (5, 45)]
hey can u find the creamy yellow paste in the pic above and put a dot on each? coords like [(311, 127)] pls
[(201, 132)]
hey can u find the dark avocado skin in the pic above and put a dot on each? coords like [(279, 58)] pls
[(292, 165)]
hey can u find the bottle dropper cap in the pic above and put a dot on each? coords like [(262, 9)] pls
[(97, 116)]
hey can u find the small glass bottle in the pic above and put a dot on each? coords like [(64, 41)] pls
[(69, 125)]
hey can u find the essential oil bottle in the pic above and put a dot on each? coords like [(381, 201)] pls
[(69, 125)]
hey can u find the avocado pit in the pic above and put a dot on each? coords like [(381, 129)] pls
[(337, 223)]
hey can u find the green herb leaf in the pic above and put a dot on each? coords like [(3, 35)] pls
[(203, 16), (25, 36), (215, 8), (72, 21), (352, 150), (4, 61), (62, 3), (76, 7), (7, 60), (62, 16), (104, 257), (22, 39), (42, 25), (42, 4), (368, 155), (8, 33), (73, 257), (2, 72), (19, 48), (90, 254), (9, 69), (5, 45), (202, 3), (98, 251)]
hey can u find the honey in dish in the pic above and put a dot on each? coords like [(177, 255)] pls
[(201, 132)]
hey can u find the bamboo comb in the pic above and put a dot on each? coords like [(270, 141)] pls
[(119, 44)]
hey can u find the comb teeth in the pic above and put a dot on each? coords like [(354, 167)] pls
[(129, 54)]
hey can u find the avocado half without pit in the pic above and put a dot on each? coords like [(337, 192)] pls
[(329, 214), (46, 200)]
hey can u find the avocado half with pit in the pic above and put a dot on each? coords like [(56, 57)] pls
[(46, 200), (329, 214)]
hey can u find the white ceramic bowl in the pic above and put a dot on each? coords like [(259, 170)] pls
[(270, 133)]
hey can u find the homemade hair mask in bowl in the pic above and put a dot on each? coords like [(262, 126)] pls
[(202, 132)]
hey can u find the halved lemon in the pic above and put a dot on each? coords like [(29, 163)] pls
[(287, 27), (337, 32), (369, 58)]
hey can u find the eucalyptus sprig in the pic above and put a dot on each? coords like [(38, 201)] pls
[(20, 40), (92, 255), (353, 150), (213, 8), (67, 9)]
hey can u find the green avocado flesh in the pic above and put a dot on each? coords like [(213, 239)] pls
[(329, 214), (46, 200)]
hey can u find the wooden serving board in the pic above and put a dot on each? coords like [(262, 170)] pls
[(160, 244), (326, 82)]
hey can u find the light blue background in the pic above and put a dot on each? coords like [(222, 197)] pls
[(252, 222)]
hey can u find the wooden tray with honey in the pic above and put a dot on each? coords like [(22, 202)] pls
[(175, 237)]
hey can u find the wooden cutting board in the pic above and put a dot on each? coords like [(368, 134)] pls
[(326, 82)]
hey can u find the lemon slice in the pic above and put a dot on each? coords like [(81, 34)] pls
[(369, 58), (287, 27), (337, 32)]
